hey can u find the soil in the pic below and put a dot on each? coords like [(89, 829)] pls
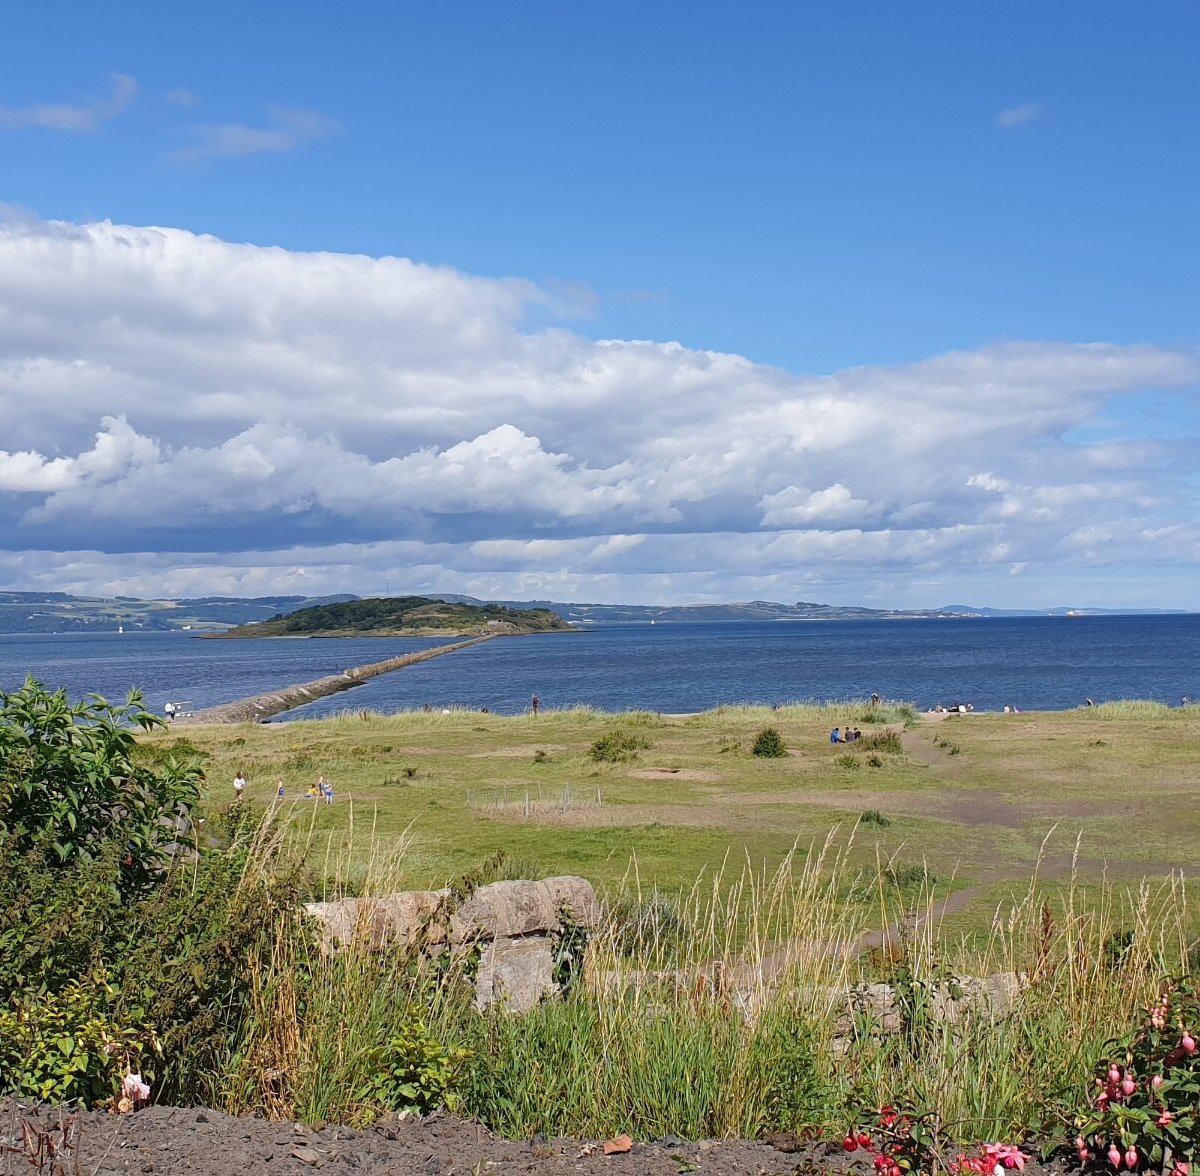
[(181, 1141), (186, 1141)]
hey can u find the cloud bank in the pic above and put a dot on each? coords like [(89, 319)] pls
[(180, 414)]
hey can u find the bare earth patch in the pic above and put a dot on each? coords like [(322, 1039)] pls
[(674, 774), (519, 752)]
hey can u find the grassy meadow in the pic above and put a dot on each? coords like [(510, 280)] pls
[(968, 807)]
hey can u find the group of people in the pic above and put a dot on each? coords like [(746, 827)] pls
[(321, 790), (846, 735)]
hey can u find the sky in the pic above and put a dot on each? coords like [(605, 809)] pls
[(894, 305)]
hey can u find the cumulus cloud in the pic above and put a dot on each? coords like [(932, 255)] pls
[(74, 117), (192, 406), (285, 129), (1019, 116)]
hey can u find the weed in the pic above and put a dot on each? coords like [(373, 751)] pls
[(874, 817)]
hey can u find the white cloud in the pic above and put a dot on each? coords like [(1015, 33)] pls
[(76, 118), (182, 96), (286, 128), (176, 393), (1019, 116)]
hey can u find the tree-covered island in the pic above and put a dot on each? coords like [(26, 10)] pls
[(407, 616)]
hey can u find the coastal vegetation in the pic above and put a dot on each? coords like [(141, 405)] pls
[(391, 616), (743, 898)]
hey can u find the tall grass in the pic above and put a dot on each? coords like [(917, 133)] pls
[(732, 1011)]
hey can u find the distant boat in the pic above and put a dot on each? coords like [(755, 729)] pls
[(120, 628)]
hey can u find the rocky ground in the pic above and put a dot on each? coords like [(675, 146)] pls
[(182, 1141)]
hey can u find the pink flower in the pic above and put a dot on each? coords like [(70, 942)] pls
[(1010, 1155), (1180, 1168), (1114, 1075), (1131, 1158), (1157, 1081), (1187, 1043), (1165, 1118), (1128, 1086), (133, 1088), (1114, 1155)]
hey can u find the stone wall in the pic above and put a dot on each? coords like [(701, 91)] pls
[(511, 923)]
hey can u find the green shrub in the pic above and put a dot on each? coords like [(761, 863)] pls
[(648, 926), (71, 784), (614, 746), (66, 1047), (874, 817), (888, 741), (414, 1072), (768, 744), (848, 761)]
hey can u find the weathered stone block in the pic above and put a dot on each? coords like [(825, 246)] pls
[(516, 972)]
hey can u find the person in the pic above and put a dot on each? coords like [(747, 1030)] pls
[(311, 792), (1088, 702), (169, 711), (325, 789), (279, 790), (833, 736), (239, 785), (537, 702), (874, 699)]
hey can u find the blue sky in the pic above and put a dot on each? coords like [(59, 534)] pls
[(845, 215)]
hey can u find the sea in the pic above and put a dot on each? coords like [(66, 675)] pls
[(1031, 663)]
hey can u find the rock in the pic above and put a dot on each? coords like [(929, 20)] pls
[(517, 972)]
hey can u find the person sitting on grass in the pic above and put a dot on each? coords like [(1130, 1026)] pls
[(834, 737)]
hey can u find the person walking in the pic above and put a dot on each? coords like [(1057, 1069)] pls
[(325, 789), (239, 785), (536, 702)]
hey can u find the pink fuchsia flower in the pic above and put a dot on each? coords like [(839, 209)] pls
[(1180, 1168), (1131, 1158), (1187, 1043), (1009, 1155), (849, 1143), (134, 1089), (1165, 1118), (1156, 1082), (1114, 1155), (1114, 1075), (1128, 1086)]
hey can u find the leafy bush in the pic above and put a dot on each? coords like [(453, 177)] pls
[(71, 784), (768, 744), (848, 761), (1143, 1112), (874, 817), (414, 1072), (65, 1047), (614, 746)]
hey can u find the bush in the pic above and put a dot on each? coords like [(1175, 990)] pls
[(888, 741), (71, 785), (65, 1047), (874, 817), (614, 746), (648, 926), (414, 1072), (1143, 1106), (768, 744)]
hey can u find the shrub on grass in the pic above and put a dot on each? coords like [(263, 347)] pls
[(768, 744), (874, 817), (615, 746), (848, 761), (649, 926), (888, 741)]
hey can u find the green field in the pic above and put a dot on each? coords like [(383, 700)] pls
[(978, 802)]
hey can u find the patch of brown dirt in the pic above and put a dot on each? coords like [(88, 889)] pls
[(518, 752), (186, 1141), (674, 774)]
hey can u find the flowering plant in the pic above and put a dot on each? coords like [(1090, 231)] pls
[(1145, 1105)]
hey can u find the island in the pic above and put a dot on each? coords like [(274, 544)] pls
[(401, 616)]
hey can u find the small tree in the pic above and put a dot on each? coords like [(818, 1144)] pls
[(70, 788), (769, 744)]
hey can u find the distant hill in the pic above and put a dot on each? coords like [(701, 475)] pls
[(401, 615), (59, 612)]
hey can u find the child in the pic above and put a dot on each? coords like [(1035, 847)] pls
[(239, 785), (279, 790), (325, 789)]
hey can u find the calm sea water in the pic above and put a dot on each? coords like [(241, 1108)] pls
[(1037, 663)]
